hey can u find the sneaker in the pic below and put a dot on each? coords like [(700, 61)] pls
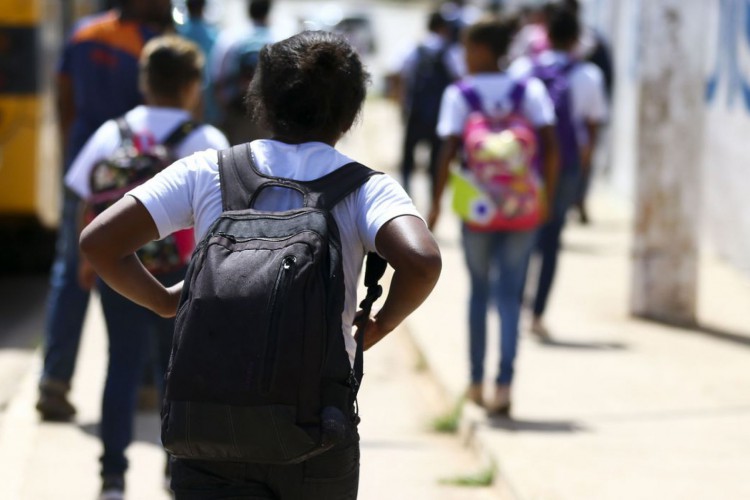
[(474, 394), (53, 404), (113, 488), (500, 405)]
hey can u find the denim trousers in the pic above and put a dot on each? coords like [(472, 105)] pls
[(333, 475), (66, 302), (497, 263), (133, 332), (550, 235)]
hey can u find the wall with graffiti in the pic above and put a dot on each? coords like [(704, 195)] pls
[(725, 207)]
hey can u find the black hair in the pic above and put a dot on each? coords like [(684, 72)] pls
[(259, 9), (168, 63), (495, 33), (436, 22), (309, 86), (563, 27), (195, 8)]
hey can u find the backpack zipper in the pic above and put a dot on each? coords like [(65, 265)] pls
[(278, 298)]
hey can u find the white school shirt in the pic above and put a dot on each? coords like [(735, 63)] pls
[(494, 91), (188, 193), (150, 125), (587, 94)]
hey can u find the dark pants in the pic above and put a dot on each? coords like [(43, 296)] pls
[(132, 331), (415, 134), (549, 237), (334, 475)]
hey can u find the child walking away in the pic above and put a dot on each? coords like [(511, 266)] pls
[(120, 155), (577, 90), (499, 192), (264, 372)]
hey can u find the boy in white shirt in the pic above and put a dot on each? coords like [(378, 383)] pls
[(586, 104), (488, 252), (170, 79)]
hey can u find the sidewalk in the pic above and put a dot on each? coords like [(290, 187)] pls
[(612, 407)]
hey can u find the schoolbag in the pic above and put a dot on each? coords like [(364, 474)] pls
[(425, 87), (129, 166), (259, 371), (239, 72), (556, 78), (498, 188)]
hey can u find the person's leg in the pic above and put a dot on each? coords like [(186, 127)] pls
[(435, 145), (128, 331), (549, 245), (66, 308), (411, 139), (512, 255), (477, 252)]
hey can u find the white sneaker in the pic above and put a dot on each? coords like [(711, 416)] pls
[(113, 488)]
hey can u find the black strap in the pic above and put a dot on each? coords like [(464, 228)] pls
[(375, 267), (242, 182), (174, 138)]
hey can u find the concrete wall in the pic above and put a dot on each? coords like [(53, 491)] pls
[(724, 211)]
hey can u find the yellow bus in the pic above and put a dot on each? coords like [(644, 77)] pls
[(31, 37)]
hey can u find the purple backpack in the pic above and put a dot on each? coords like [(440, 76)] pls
[(556, 78)]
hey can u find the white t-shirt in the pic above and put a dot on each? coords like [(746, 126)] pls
[(494, 91), (587, 93), (150, 125), (188, 194)]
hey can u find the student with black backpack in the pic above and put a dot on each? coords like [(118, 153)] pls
[(120, 155), (260, 399), (425, 74)]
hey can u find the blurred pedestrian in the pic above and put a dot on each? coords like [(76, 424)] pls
[(171, 79), (531, 39), (592, 47), (204, 34), (97, 80), (577, 89), (425, 74), (507, 115), (377, 216), (232, 67)]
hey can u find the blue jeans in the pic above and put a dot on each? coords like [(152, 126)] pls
[(132, 331), (67, 302), (548, 239), (497, 264)]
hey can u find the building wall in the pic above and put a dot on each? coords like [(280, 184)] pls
[(724, 210)]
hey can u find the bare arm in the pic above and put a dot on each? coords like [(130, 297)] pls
[(110, 242), (408, 246), (587, 152), (448, 152)]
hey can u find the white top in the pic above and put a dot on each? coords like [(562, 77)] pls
[(188, 194), (150, 125), (494, 91), (587, 93)]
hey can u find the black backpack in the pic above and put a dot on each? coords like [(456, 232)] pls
[(426, 86), (129, 167), (259, 371)]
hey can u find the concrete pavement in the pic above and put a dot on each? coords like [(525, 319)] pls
[(612, 407)]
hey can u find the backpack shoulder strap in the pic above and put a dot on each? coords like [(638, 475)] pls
[(126, 133), (517, 94), (238, 177), (471, 96), (325, 192), (180, 133)]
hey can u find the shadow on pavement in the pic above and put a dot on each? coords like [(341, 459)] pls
[(543, 426), (583, 345)]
